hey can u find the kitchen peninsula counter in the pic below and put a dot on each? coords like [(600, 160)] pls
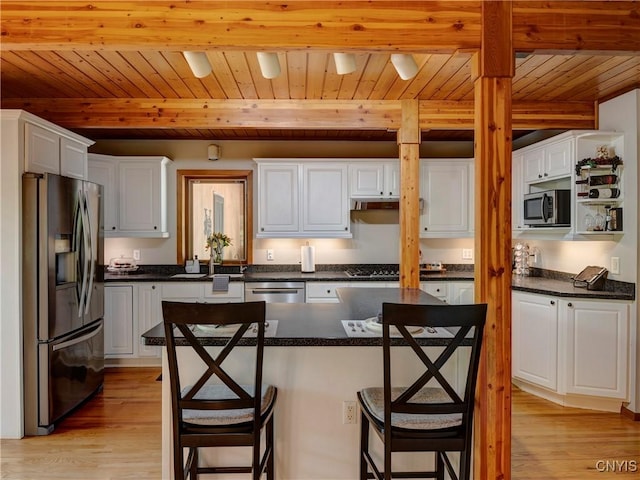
[(320, 325)]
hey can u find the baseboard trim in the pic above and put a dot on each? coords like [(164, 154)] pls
[(133, 362), (634, 416)]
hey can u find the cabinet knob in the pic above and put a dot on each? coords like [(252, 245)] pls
[(155, 227), (346, 228), (425, 228), (262, 229), (153, 287), (437, 289), (546, 174), (381, 193), (569, 304), (328, 291), (113, 228), (539, 176), (552, 302)]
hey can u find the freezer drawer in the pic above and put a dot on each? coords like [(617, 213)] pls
[(71, 370)]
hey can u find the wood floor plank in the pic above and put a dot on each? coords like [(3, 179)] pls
[(117, 435)]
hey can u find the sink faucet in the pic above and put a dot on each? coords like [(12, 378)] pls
[(243, 268)]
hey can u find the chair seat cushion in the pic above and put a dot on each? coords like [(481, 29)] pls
[(225, 417), (373, 399)]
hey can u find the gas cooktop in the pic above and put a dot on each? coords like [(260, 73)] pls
[(372, 273)]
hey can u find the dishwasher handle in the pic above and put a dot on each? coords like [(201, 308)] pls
[(258, 291)]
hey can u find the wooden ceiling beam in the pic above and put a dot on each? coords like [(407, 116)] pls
[(290, 114), (356, 25)]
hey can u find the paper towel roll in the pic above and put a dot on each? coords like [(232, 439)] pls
[(308, 258)]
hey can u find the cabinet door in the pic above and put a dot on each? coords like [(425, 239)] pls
[(517, 192), (532, 162), (278, 209), (105, 174), (139, 195), (597, 348), (42, 150), (73, 159), (367, 179), (535, 339), (118, 320), (557, 159), (392, 179), (461, 293), (323, 292), (445, 188), (325, 198), (235, 293), (440, 290), (149, 315)]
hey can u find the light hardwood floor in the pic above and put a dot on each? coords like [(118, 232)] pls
[(117, 436)]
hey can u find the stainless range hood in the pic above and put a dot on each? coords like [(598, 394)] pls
[(360, 204)]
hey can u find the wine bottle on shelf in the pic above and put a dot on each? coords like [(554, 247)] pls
[(604, 193), (583, 194), (582, 181), (603, 180)]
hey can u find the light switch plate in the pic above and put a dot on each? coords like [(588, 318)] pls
[(615, 265), (467, 254), (136, 254), (269, 254)]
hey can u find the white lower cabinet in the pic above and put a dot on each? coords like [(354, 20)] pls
[(149, 315), (597, 347), (132, 309), (118, 320), (571, 346), (534, 348)]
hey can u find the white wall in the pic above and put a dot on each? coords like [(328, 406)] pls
[(375, 234), (10, 281)]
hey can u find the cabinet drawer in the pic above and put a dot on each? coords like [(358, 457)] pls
[(321, 292), (181, 291)]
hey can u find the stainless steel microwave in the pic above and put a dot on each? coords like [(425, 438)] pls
[(551, 208)]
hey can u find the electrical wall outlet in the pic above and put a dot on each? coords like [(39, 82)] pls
[(349, 412), (136, 254), (615, 265), (467, 254), (270, 255)]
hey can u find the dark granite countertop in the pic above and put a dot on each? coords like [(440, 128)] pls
[(319, 324), (544, 282)]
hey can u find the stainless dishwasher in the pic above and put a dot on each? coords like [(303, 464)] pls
[(274, 292)]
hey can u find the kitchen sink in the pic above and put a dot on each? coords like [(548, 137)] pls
[(188, 275)]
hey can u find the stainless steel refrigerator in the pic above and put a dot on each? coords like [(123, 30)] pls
[(63, 297)]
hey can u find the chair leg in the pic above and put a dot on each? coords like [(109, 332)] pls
[(255, 463), (387, 461), (465, 465), (193, 472), (439, 466), (270, 445), (178, 461), (364, 446)]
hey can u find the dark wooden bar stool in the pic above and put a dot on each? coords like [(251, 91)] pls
[(226, 413), (421, 418)]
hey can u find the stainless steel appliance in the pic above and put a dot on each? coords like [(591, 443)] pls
[(550, 208), (274, 292), (63, 297)]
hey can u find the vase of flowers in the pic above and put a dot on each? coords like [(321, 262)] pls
[(215, 244)]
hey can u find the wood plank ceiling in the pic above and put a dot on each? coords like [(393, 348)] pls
[(103, 81)]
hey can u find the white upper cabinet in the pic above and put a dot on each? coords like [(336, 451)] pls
[(302, 199), (374, 179), (279, 199), (43, 147), (447, 192), (135, 194), (549, 161)]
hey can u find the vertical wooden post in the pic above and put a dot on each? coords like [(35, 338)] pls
[(409, 141), (494, 69)]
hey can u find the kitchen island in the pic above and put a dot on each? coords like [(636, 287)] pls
[(317, 364)]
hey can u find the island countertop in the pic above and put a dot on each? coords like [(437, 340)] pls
[(318, 324)]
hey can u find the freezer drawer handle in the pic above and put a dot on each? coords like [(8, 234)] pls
[(81, 339)]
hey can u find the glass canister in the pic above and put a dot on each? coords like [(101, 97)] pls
[(521, 259)]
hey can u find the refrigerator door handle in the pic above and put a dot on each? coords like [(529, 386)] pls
[(79, 339), (78, 248), (89, 260)]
